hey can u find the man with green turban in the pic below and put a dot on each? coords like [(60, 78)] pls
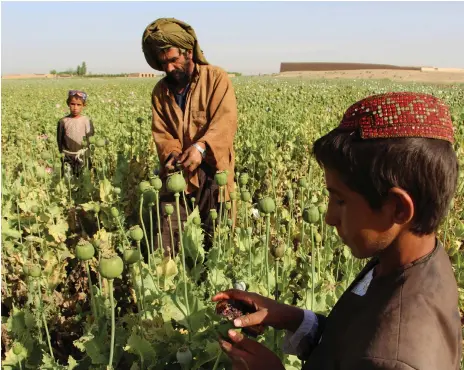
[(194, 115)]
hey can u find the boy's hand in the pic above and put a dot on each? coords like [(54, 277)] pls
[(246, 354), (171, 164), (268, 311), (190, 159)]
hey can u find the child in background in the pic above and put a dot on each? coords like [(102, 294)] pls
[(391, 172), (71, 131)]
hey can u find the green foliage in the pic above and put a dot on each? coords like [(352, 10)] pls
[(44, 215)]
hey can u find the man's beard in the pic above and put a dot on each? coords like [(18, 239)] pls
[(178, 77)]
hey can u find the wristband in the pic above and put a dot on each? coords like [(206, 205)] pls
[(200, 149)]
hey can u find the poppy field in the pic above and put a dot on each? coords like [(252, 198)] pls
[(86, 282)]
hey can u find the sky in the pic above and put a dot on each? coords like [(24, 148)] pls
[(246, 37)]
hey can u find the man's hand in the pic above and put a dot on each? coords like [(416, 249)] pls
[(190, 159), (268, 311), (171, 164), (246, 354)]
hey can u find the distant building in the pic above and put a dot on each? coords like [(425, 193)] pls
[(143, 75), (320, 66)]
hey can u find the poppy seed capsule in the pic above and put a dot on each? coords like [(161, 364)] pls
[(136, 233), (290, 194), (184, 356), (169, 209), (322, 208), (249, 231), (100, 143), (221, 178), (228, 205), (245, 196), (17, 349), (114, 212), (213, 214), (111, 268), (278, 252), (144, 186), (311, 215), (176, 183), (35, 271), (84, 250), (267, 205), (156, 183), (303, 183), (131, 256), (233, 195)]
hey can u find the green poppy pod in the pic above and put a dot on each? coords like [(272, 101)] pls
[(156, 183), (136, 233), (278, 252), (131, 256), (144, 186), (176, 183), (111, 268), (245, 196), (114, 212), (213, 214), (290, 194), (100, 143), (35, 271), (322, 208), (169, 209), (221, 178), (84, 250), (311, 215), (267, 205), (303, 183), (184, 356), (149, 197)]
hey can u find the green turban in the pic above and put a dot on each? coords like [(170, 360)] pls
[(167, 33)]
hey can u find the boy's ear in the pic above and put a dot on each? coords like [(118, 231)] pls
[(403, 205)]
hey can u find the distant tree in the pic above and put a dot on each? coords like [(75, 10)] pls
[(83, 69), (78, 70), (53, 72)]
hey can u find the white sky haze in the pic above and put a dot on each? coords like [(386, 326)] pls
[(247, 37)]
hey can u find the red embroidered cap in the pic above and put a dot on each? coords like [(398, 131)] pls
[(399, 114)]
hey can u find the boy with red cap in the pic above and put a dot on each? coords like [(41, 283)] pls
[(391, 172)]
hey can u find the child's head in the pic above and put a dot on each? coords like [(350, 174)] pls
[(76, 102), (390, 168)]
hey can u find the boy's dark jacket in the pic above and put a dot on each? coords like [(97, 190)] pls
[(408, 320)]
